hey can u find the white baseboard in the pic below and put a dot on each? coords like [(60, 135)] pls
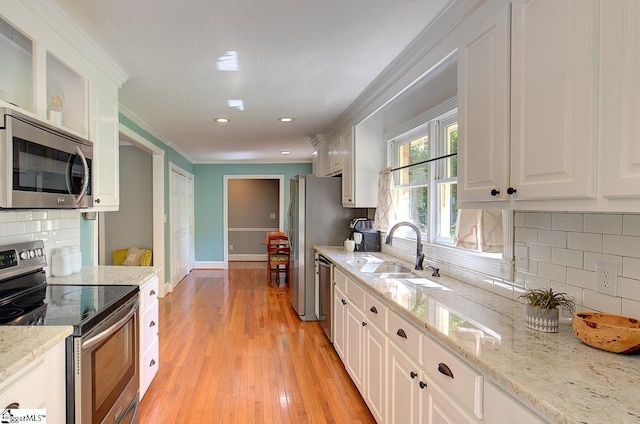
[(210, 265)]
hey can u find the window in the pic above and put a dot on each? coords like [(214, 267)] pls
[(426, 193)]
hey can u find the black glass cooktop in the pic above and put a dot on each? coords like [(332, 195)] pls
[(80, 306)]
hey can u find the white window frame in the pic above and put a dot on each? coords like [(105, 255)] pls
[(440, 250)]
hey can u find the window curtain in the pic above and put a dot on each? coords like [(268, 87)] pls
[(479, 229), (385, 213)]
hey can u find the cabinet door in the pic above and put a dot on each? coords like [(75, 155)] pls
[(106, 153), (375, 365), (347, 170), (335, 153), (354, 344), (440, 409), (403, 395), (483, 111), (619, 98), (339, 321), (554, 95), (499, 407)]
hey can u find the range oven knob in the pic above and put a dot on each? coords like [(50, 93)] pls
[(38, 252), (32, 253), (24, 255)]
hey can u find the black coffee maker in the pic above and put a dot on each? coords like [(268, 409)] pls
[(367, 239)]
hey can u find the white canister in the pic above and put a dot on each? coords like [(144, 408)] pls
[(76, 259), (61, 262), (349, 245)]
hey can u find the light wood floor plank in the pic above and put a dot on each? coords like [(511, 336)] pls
[(232, 350)]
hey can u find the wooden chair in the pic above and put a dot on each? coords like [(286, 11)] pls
[(278, 255)]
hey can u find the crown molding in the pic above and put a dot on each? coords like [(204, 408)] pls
[(252, 162), (71, 33)]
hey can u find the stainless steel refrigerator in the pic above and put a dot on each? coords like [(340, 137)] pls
[(316, 218)]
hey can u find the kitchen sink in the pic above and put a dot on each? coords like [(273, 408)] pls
[(385, 267)]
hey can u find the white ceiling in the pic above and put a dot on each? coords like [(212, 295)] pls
[(301, 58)]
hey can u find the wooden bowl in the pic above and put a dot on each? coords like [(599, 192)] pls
[(613, 333)]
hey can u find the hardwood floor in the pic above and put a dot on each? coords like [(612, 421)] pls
[(232, 350)]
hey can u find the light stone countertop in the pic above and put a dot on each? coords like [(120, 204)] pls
[(114, 275), (19, 346), (560, 376)]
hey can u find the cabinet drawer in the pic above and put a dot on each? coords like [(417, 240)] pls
[(27, 387), (149, 326), (375, 311), (452, 374), (405, 335), (149, 366), (340, 280), (148, 293), (356, 294)]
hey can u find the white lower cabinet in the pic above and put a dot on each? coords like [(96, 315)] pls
[(354, 336), (499, 407), (39, 385), (404, 387), (148, 329), (339, 321), (438, 408), (375, 367)]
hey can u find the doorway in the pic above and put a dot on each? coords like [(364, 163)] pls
[(253, 205), (181, 205)]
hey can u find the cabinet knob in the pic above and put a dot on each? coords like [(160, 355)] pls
[(495, 192), (511, 190), (423, 385), (344, 302), (401, 333), (152, 324), (152, 292), (364, 324), (152, 363), (413, 374), (374, 310), (97, 200), (444, 369), (13, 405)]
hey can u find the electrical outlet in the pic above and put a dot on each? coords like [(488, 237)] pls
[(607, 278), (231, 247), (522, 257)]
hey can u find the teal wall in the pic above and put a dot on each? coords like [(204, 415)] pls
[(208, 191)]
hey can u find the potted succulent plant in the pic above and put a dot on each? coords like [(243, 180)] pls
[(543, 308)]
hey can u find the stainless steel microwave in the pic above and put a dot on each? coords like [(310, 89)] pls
[(43, 167)]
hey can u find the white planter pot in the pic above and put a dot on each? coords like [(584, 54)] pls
[(545, 320)]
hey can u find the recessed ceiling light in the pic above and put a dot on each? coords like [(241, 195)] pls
[(285, 152), (222, 120), (285, 119)]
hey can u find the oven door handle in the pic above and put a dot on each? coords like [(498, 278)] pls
[(89, 343), (85, 177)]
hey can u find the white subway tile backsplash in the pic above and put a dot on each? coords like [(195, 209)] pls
[(567, 257), (520, 219), (602, 302), (552, 238), (485, 283), (7, 217), (552, 272), (629, 288), (631, 225), (590, 260), (468, 277), (581, 278), (621, 245), (575, 292), (503, 289), (589, 242), (533, 282), (567, 221), (24, 216), (15, 228), (631, 268), (630, 308), (538, 220), (540, 253), (3, 229), (526, 235), (603, 223)]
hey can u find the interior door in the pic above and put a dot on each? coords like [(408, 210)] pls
[(181, 207)]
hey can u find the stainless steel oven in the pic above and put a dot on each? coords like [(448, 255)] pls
[(43, 166), (105, 365)]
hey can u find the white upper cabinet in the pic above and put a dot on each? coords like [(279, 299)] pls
[(106, 153), (347, 170), (554, 98), (619, 98), (483, 112), (544, 146)]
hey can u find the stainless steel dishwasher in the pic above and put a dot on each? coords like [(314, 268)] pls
[(325, 295)]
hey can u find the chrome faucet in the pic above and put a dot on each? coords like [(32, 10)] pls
[(419, 254)]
